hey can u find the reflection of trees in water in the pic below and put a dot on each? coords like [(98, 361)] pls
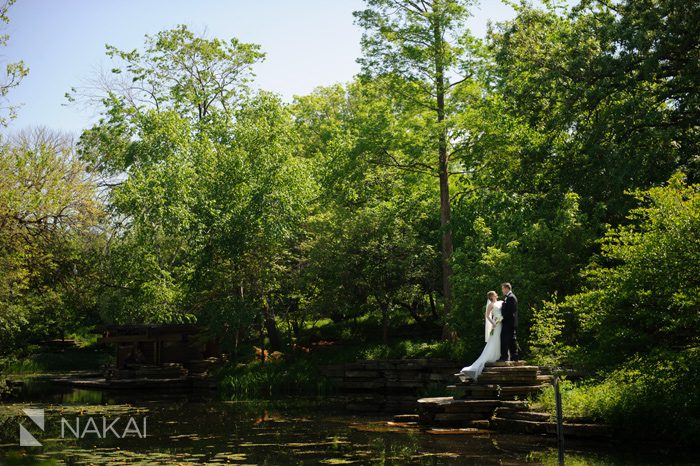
[(278, 432)]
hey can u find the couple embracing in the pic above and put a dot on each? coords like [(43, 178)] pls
[(501, 325)]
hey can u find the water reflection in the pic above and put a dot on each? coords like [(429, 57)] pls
[(199, 429)]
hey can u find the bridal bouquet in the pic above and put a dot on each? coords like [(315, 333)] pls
[(498, 320)]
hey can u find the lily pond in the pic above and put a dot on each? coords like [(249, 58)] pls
[(94, 427)]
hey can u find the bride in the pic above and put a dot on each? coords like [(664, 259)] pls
[(492, 350)]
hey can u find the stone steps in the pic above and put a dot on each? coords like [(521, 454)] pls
[(522, 415), (501, 387), (389, 385), (497, 401), (448, 411), (406, 418), (486, 392)]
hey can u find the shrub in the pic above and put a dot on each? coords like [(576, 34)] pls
[(642, 294), (648, 396)]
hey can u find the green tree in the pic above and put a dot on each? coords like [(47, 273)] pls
[(422, 49), (641, 295), (579, 107), (372, 238), (48, 212), (205, 193), (13, 73), (604, 91), (203, 80)]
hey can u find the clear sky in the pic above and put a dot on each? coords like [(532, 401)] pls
[(308, 43)]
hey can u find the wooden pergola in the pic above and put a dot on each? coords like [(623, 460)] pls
[(157, 344)]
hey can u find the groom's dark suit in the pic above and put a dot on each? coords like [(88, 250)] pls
[(509, 309)]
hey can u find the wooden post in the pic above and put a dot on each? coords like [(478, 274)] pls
[(560, 420)]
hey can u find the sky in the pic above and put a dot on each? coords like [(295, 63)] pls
[(308, 43)]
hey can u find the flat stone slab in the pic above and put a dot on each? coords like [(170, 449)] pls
[(410, 424), (536, 427), (513, 404), (520, 362), (512, 371), (459, 406), (362, 373), (473, 403), (452, 417), (436, 400), (457, 430), (165, 383), (511, 388), (448, 400), (366, 384), (522, 415)]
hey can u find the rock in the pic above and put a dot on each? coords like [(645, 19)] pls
[(362, 373), (539, 427), (451, 417), (522, 415), (362, 384), (364, 407), (452, 431)]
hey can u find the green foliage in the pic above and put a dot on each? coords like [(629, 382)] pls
[(424, 58), (13, 73), (657, 386), (372, 241), (547, 334), (408, 349), (449, 165), (38, 362), (47, 211), (642, 293), (274, 378), (536, 247), (598, 99), (207, 188)]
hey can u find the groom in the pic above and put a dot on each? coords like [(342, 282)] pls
[(510, 324)]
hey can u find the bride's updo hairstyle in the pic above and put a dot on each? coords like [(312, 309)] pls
[(490, 294)]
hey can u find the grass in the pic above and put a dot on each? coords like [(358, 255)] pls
[(88, 358), (410, 349), (296, 373), (272, 379), (654, 396)]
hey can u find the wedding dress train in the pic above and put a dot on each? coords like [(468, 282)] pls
[(492, 350)]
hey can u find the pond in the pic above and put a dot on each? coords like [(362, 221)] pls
[(200, 429)]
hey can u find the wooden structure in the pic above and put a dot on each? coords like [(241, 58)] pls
[(158, 344), (146, 355)]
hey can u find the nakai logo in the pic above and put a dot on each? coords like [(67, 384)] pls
[(102, 428), (26, 439)]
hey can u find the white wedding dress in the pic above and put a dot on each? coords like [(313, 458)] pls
[(492, 350)]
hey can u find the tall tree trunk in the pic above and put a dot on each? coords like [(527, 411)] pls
[(447, 248), (271, 327), (235, 343), (385, 322), (262, 342), (444, 174), (433, 311)]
